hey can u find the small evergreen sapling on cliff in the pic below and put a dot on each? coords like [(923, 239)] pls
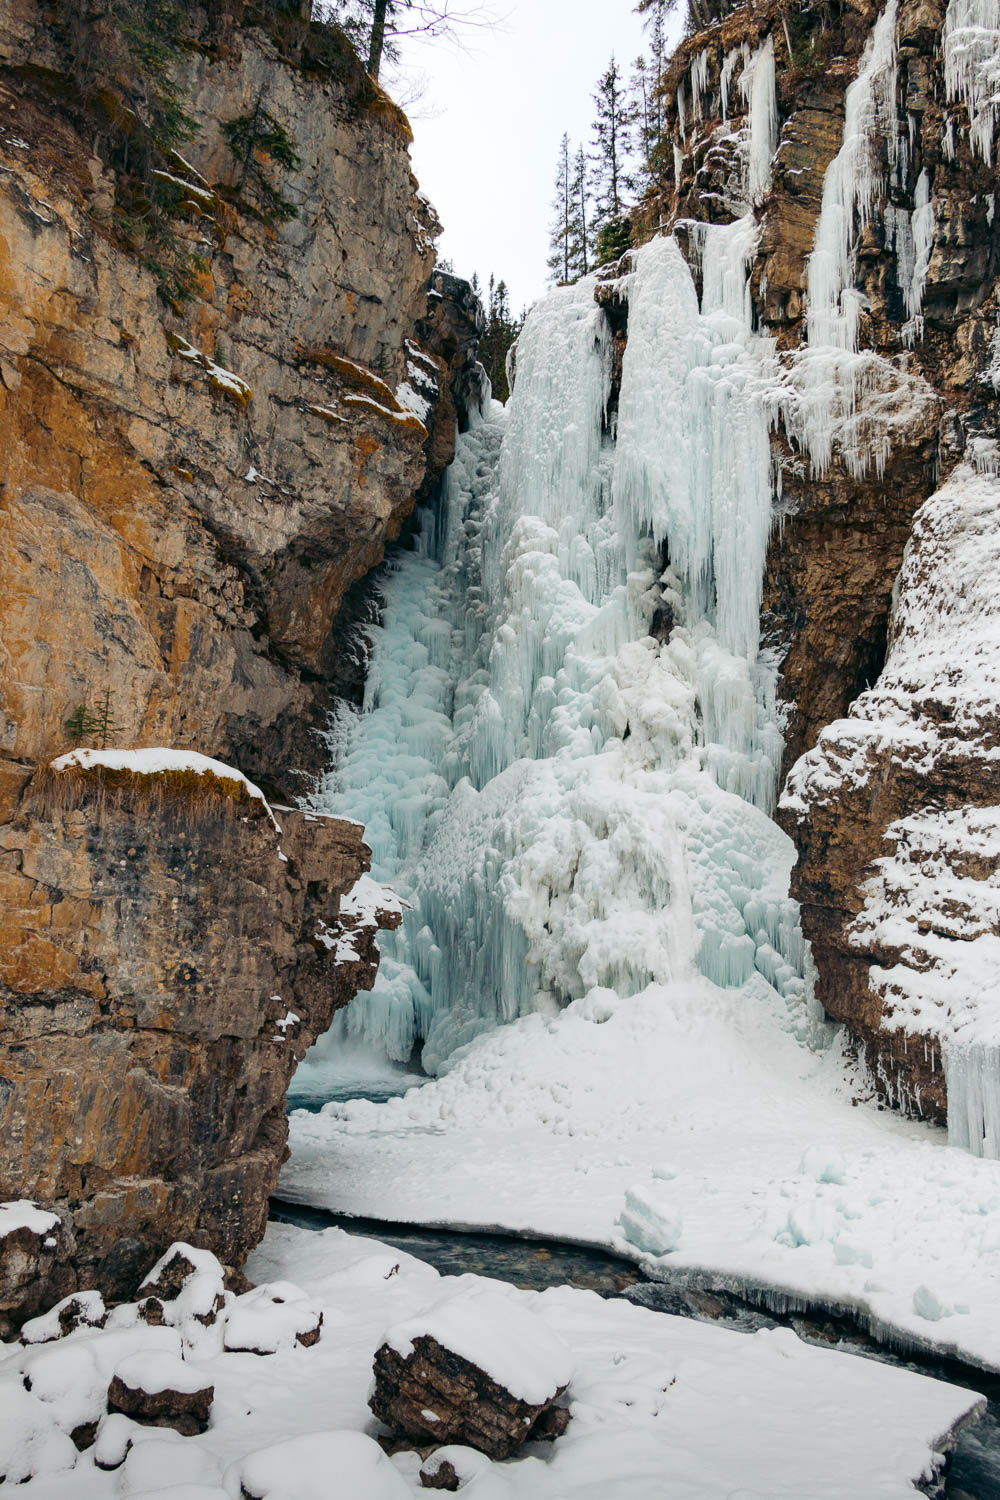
[(96, 724), (255, 140)]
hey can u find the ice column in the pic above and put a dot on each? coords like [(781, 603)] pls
[(853, 182), (757, 84)]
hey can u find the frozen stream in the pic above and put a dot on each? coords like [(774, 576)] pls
[(974, 1471)]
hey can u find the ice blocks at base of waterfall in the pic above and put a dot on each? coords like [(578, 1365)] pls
[(650, 1224)]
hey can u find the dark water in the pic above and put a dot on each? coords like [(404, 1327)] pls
[(974, 1469)]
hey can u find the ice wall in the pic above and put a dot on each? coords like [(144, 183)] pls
[(570, 805)]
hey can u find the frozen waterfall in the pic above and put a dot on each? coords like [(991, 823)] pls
[(571, 805)]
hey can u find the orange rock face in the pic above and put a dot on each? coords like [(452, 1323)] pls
[(187, 497), (162, 973)]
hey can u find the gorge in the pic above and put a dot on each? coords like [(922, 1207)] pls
[(665, 699)]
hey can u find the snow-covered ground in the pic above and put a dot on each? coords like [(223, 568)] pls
[(662, 1408), (741, 1146)]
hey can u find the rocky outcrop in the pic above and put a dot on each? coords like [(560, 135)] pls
[(918, 399), (895, 812), (476, 1370), (198, 485), (166, 958), (435, 1396), (209, 439)]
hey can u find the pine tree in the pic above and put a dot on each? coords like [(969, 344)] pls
[(610, 141), (580, 240), (647, 102), (502, 330), (641, 116), (251, 139), (563, 208)]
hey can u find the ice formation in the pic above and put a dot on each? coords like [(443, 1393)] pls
[(570, 805), (853, 184), (971, 39)]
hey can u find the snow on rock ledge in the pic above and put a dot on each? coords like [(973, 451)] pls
[(897, 815)]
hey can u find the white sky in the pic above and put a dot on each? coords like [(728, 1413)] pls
[(487, 160)]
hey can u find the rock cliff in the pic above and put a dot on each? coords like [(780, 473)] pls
[(915, 403), (204, 454), (199, 486)]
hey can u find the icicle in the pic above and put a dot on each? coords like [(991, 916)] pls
[(698, 81), (972, 1077), (757, 83), (971, 39), (851, 186), (738, 54)]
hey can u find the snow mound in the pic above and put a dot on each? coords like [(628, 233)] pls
[(31, 1442), (158, 1370), (497, 1334), (23, 1214), (303, 1467), (271, 1317)]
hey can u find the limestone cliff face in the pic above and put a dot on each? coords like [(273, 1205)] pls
[(197, 490), (189, 492), (167, 955), (924, 401)]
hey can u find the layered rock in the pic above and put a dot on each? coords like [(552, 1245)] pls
[(166, 958), (475, 1370), (188, 492), (897, 815)]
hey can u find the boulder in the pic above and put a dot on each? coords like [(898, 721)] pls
[(78, 1310), (272, 1317), (33, 1273), (160, 1390), (479, 1369)]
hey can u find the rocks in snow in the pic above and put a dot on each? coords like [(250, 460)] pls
[(272, 1317), (33, 1271), (478, 1369), (160, 1390), (78, 1310), (185, 1283)]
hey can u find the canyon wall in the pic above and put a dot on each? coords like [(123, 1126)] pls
[(194, 485), (916, 404)]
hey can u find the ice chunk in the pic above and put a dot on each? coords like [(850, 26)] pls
[(649, 1224)]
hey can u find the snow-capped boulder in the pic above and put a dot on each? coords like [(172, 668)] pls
[(272, 1317), (78, 1310), (478, 1369), (159, 1389)]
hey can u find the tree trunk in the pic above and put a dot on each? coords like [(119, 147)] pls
[(377, 41)]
